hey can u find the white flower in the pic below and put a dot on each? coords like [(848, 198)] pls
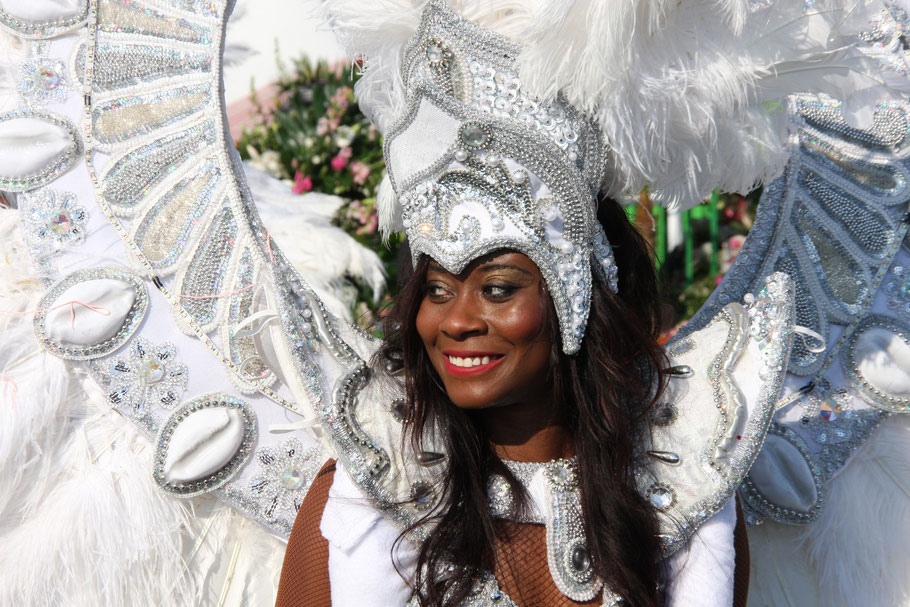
[(344, 135)]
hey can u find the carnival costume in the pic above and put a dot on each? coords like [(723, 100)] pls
[(162, 286)]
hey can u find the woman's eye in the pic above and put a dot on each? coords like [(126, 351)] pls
[(499, 291), (435, 291)]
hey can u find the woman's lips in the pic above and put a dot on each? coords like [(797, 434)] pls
[(470, 363)]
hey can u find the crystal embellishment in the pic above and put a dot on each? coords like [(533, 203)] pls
[(287, 471), (149, 377), (55, 219), (661, 497), (43, 80)]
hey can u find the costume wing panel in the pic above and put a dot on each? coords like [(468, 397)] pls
[(161, 279), (836, 223)]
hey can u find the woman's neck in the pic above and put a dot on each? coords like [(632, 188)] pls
[(527, 433)]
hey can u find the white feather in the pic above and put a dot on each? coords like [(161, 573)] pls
[(302, 227), (678, 88), (81, 521), (856, 552), (388, 207), (12, 52)]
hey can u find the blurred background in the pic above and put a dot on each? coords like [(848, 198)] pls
[(315, 161)]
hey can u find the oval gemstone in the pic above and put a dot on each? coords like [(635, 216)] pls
[(152, 371), (473, 135), (61, 222), (581, 560), (292, 478), (435, 52), (661, 497)]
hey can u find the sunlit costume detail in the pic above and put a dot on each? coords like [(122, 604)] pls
[(158, 265)]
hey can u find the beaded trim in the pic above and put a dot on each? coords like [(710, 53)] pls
[(44, 29), (226, 472)]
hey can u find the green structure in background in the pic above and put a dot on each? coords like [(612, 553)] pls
[(709, 212)]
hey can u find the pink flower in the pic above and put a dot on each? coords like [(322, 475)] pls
[(345, 153), (360, 171), (302, 183), (369, 226), (322, 126), (339, 162)]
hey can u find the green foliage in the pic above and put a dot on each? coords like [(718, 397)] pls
[(314, 136)]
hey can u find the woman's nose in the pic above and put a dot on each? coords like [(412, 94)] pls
[(463, 318)]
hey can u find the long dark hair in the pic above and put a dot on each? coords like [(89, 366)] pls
[(607, 388)]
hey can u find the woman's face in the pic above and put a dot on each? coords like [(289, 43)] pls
[(485, 331)]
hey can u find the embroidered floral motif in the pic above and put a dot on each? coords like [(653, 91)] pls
[(56, 220), (149, 375), (42, 80), (287, 473)]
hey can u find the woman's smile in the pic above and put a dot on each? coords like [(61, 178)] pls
[(470, 363)]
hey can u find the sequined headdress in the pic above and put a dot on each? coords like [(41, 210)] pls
[(478, 165), (495, 144)]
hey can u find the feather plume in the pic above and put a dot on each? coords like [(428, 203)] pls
[(689, 95), (81, 521), (327, 254), (12, 53), (388, 207)]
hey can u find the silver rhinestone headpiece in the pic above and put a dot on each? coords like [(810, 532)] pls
[(478, 165)]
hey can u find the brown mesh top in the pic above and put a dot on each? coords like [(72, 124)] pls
[(521, 561), (305, 574)]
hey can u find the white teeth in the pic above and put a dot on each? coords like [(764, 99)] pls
[(469, 362)]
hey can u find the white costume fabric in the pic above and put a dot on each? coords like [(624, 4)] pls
[(154, 279), (363, 574)]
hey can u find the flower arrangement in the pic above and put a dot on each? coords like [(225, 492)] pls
[(313, 136)]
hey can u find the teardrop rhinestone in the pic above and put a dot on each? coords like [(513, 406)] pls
[(581, 560)]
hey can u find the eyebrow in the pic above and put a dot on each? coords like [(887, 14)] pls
[(485, 267)]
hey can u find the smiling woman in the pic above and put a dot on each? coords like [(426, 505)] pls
[(531, 402), (490, 386), (485, 331)]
